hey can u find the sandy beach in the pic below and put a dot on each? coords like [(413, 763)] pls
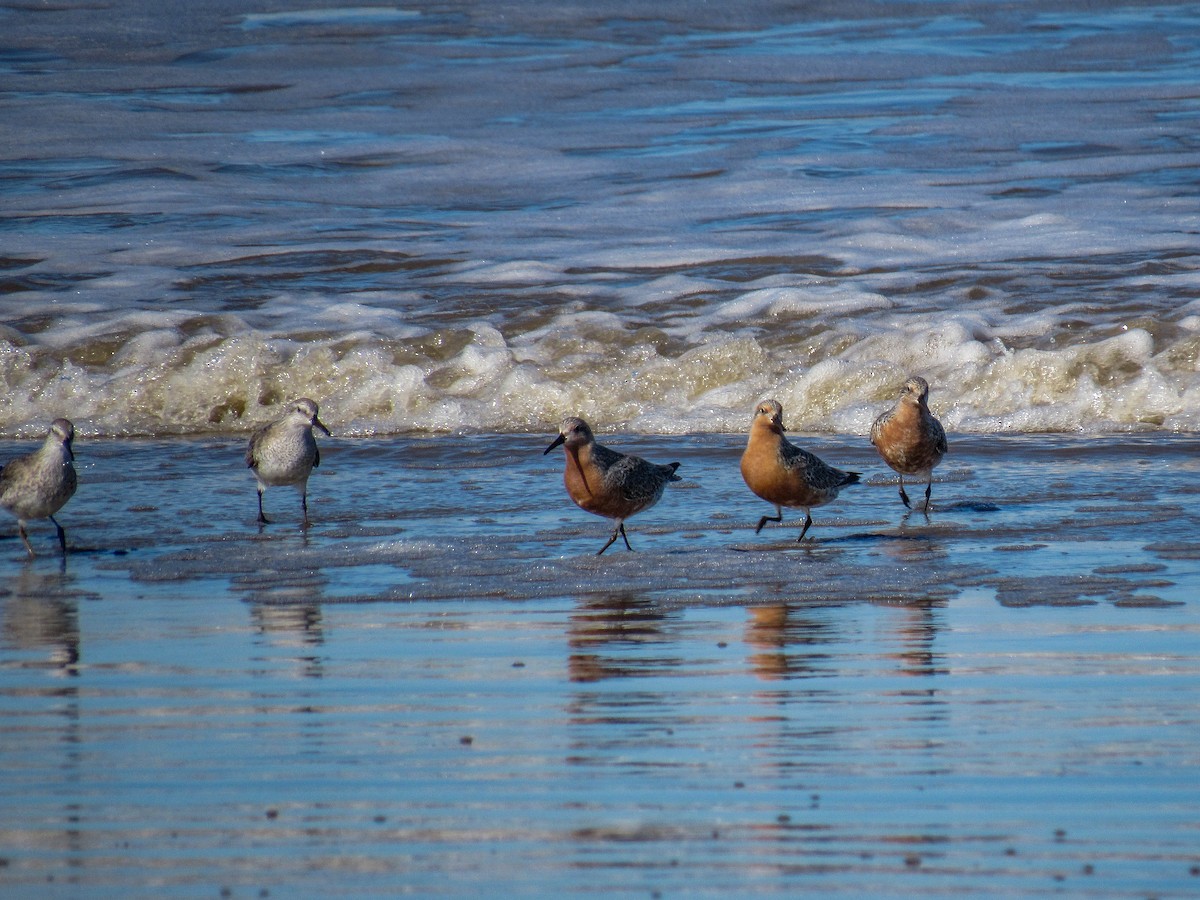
[(438, 686)]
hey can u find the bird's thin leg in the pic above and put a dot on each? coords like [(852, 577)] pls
[(25, 538), (928, 491), (625, 537), (765, 519), (807, 522), (616, 531), (304, 504), (262, 520), (903, 495), (62, 535)]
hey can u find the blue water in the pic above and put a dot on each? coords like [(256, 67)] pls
[(483, 219), (451, 226), (606, 746)]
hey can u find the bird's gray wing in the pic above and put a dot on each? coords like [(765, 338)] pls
[(818, 473), (939, 435), (637, 479), (252, 449)]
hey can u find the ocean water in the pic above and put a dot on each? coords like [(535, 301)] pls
[(453, 224), (481, 217)]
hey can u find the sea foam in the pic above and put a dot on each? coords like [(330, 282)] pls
[(191, 378)]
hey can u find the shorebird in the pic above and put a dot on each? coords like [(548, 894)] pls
[(784, 474), (285, 452), (37, 485), (605, 482), (909, 438)]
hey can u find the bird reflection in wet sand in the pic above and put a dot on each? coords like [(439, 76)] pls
[(784, 644), (623, 626), (292, 628), (295, 626), (42, 611), (916, 635), (605, 482), (785, 475), (909, 438), (37, 485)]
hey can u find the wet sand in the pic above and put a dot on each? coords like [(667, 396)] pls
[(439, 689)]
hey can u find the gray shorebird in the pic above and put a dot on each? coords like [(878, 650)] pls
[(909, 438), (37, 485), (285, 452), (605, 482), (784, 474)]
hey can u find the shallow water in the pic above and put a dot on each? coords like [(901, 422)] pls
[(438, 689)]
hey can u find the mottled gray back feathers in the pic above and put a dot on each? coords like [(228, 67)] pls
[(817, 473), (639, 480)]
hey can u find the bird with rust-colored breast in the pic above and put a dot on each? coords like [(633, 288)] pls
[(605, 482), (786, 475), (910, 438)]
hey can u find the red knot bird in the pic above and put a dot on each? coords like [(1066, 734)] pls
[(909, 438), (36, 486), (605, 482), (285, 452), (784, 474)]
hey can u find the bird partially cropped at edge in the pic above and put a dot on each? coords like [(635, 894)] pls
[(37, 485), (910, 438), (605, 482), (285, 452), (783, 474)]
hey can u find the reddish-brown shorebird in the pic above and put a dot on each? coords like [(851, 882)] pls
[(784, 474), (909, 438), (605, 482)]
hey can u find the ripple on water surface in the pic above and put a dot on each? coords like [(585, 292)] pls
[(438, 687)]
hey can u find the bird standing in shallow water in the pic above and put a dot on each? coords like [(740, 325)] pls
[(605, 482), (909, 438), (782, 473), (285, 452), (36, 486)]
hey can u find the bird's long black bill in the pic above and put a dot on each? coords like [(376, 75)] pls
[(561, 439)]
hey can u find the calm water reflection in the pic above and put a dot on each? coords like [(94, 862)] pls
[(190, 704), (846, 749), (41, 616)]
